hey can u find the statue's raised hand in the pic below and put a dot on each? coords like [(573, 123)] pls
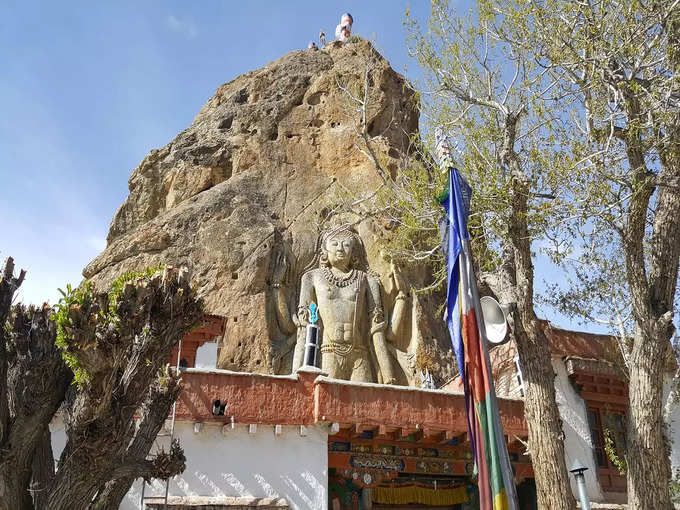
[(397, 281), (281, 274)]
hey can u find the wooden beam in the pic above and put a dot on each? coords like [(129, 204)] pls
[(433, 435), (385, 433), (405, 432), (448, 436), (360, 428), (599, 397)]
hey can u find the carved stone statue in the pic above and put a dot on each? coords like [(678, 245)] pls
[(354, 329)]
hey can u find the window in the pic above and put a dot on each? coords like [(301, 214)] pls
[(603, 422), (615, 428), (596, 437)]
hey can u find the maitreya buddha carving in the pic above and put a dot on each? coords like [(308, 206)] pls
[(354, 330)]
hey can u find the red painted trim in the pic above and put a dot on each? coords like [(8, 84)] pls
[(304, 400)]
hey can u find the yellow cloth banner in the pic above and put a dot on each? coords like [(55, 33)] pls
[(422, 495)]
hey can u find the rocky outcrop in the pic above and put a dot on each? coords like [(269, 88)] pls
[(257, 175)]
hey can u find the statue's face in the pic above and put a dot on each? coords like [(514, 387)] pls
[(339, 250)]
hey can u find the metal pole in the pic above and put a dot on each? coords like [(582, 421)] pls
[(583, 496), (141, 499), (172, 423), (311, 344)]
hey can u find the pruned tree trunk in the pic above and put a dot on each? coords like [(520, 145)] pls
[(153, 415), (117, 342), (34, 382), (105, 450), (8, 286), (42, 470)]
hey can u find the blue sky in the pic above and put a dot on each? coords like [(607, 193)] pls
[(88, 88)]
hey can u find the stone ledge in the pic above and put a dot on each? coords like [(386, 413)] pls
[(217, 503)]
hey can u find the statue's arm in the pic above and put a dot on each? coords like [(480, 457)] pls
[(378, 328), (281, 282), (375, 308), (398, 317), (285, 316), (307, 296)]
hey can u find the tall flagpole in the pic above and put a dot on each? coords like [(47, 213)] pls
[(484, 447)]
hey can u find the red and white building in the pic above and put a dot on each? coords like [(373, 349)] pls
[(308, 442)]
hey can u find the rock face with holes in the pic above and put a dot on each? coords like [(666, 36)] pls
[(255, 176)]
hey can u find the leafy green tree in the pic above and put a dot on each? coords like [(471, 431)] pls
[(616, 64), (489, 97)]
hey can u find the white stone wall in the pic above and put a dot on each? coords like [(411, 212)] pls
[(240, 463), (673, 409), (577, 441)]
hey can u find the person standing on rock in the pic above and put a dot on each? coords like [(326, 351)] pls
[(344, 30)]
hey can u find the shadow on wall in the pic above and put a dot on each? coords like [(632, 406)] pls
[(243, 464)]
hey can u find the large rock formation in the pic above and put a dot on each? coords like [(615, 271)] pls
[(253, 181)]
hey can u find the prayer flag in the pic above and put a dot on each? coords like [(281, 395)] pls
[(466, 326)]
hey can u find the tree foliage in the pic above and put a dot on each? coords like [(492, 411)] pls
[(617, 67), (596, 89)]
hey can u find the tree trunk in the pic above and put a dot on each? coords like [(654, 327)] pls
[(111, 496), (648, 465), (104, 444), (14, 479), (42, 470), (8, 286), (546, 437), (152, 417), (653, 294), (74, 488), (33, 380)]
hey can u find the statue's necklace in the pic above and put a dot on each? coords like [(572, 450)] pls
[(337, 280)]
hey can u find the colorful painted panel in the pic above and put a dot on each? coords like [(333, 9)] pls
[(377, 462), (406, 452), (361, 448), (340, 446), (386, 449), (368, 478), (434, 466)]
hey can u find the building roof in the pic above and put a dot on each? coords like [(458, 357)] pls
[(564, 343)]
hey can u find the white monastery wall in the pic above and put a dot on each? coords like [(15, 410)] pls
[(674, 424), (577, 441), (241, 464)]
